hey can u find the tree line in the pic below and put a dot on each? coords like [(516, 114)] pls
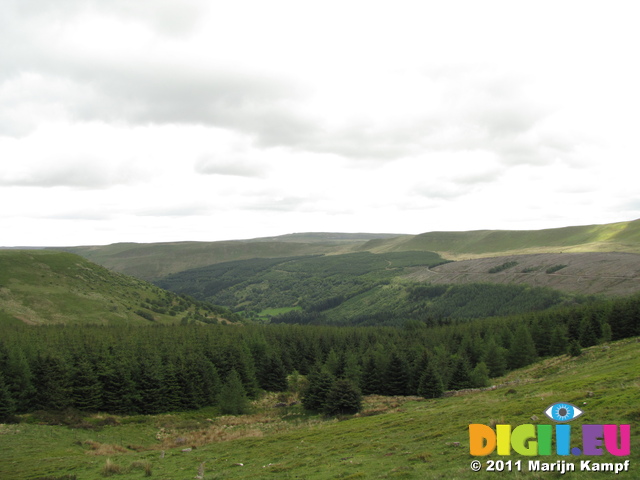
[(154, 369)]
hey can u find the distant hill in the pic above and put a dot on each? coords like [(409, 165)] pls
[(44, 287), (152, 261), (613, 237)]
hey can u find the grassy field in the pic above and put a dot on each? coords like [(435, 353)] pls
[(394, 437)]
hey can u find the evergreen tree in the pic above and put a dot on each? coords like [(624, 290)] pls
[(119, 391), (274, 375), (343, 398), (371, 380), (315, 395), (522, 351), (86, 389), (7, 404), (51, 381), (574, 348), (480, 375), (396, 377), (19, 379), (232, 399), (559, 341), (417, 371), (150, 384), (461, 374), (606, 333), (430, 385), (495, 358)]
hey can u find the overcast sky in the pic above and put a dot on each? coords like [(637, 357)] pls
[(165, 120)]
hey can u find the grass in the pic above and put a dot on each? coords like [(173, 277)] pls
[(42, 287), (394, 437)]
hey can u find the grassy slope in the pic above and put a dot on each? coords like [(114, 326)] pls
[(39, 286), (620, 237), (157, 260), (416, 439)]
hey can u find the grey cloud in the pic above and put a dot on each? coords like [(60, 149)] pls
[(78, 173), (211, 165), (481, 110)]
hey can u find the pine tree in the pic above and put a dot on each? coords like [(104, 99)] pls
[(430, 385), (343, 398), (522, 351), (232, 398), (7, 404), (86, 389), (495, 358), (119, 391), (274, 376), (559, 341), (315, 395), (371, 380), (480, 375), (396, 377), (51, 381), (461, 374)]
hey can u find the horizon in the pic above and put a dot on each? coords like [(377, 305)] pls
[(44, 247)]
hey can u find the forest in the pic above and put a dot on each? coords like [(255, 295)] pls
[(161, 368), (362, 289)]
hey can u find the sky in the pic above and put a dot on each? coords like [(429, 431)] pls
[(172, 120)]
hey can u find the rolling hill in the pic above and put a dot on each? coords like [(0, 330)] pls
[(42, 287), (157, 260)]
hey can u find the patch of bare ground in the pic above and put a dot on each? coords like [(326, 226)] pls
[(609, 273)]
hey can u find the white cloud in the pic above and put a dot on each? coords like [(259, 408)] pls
[(168, 120)]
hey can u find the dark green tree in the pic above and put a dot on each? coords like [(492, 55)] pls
[(430, 385), (522, 351), (371, 380), (232, 399), (343, 398), (7, 404), (460, 374), (575, 350), (315, 395), (51, 381), (273, 376), (396, 377), (559, 341), (495, 358), (86, 389)]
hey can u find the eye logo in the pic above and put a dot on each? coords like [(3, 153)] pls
[(563, 412)]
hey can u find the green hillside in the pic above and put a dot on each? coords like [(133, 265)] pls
[(615, 237), (394, 437), (157, 260), (42, 287)]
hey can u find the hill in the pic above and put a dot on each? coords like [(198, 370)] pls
[(405, 437), (614, 237), (157, 260), (42, 287)]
